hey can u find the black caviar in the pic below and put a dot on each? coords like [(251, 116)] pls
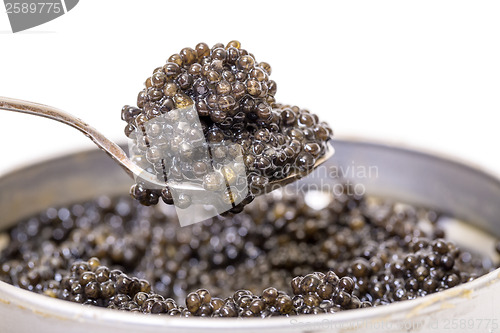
[(279, 257), (233, 96)]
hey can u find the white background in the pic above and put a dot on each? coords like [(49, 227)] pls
[(423, 74)]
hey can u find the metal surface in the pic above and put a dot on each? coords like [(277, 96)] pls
[(41, 110), (406, 175), (116, 152)]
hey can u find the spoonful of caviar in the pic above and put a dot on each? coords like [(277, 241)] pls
[(207, 130)]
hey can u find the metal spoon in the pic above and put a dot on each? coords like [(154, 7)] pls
[(117, 153)]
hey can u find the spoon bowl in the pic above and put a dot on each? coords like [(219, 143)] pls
[(119, 155)]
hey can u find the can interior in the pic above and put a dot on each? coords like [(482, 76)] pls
[(460, 191)]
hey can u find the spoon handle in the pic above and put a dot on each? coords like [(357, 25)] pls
[(41, 110)]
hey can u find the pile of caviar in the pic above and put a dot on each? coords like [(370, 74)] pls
[(279, 257), (233, 96)]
